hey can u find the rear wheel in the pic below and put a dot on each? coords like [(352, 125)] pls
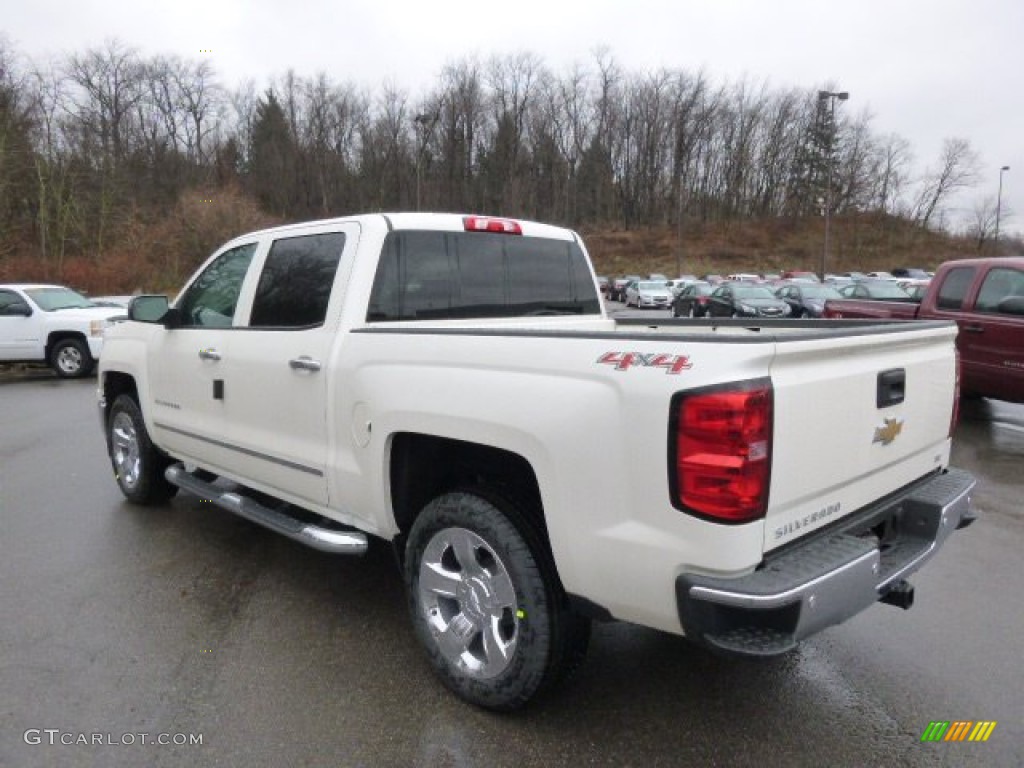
[(138, 465), (70, 359), (486, 603)]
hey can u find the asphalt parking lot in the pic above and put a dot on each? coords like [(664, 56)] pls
[(183, 621)]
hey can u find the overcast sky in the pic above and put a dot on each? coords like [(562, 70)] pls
[(924, 69)]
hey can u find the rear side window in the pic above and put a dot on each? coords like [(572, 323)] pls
[(296, 281), (954, 288), (443, 275)]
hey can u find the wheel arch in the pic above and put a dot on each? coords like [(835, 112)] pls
[(115, 383), (55, 337), (423, 467)]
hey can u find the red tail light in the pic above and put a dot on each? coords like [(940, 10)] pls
[(488, 224), (720, 451)]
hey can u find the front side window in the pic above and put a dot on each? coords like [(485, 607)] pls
[(999, 284), (211, 300), (6, 299), (295, 285)]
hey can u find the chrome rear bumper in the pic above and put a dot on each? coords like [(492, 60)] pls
[(830, 577)]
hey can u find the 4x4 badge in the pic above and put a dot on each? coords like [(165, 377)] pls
[(888, 432)]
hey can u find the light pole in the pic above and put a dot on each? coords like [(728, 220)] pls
[(999, 201), (831, 96), (424, 122)]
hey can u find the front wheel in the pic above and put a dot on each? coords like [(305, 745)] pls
[(486, 603), (138, 465), (71, 359)]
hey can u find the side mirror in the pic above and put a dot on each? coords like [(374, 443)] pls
[(18, 309), (1011, 305), (148, 309)]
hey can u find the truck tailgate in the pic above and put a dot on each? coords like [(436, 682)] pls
[(856, 422)]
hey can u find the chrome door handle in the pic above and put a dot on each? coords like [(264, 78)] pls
[(209, 354), (304, 363)]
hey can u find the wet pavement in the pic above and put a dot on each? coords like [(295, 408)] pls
[(183, 621)]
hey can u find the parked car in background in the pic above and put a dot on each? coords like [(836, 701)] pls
[(648, 294), (800, 274), (879, 276), (712, 278), (679, 283), (617, 289), (807, 299), (603, 283), (986, 299), (910, 273), (692, 300), (743, 277), (915, 289), (52, 324), (745, 300), (878, 290)]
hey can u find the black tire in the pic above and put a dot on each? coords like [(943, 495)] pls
[(71, 359), (691, 312), (138, 465), (486, 602)]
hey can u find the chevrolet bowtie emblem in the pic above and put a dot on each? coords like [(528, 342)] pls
[(888, 432)]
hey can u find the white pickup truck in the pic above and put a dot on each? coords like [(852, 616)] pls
[(452, 384), (54, 325)]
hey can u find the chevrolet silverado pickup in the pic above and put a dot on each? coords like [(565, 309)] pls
[(54, 325), (448, 384), (985, 297)]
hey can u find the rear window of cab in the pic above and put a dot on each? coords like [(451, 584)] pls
[(456, 275)]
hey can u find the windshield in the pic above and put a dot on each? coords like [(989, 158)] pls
[(656, 285), (51, 299)]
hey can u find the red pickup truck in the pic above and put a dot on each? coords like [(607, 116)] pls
[(986, 299)]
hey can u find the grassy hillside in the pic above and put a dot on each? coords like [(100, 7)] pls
[(865, 243)]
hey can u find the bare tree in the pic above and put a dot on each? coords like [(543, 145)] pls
[(958, 169), (889, 173)]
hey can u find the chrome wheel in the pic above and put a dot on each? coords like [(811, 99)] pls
[(469, 603), (69, 360), (125, 450)]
